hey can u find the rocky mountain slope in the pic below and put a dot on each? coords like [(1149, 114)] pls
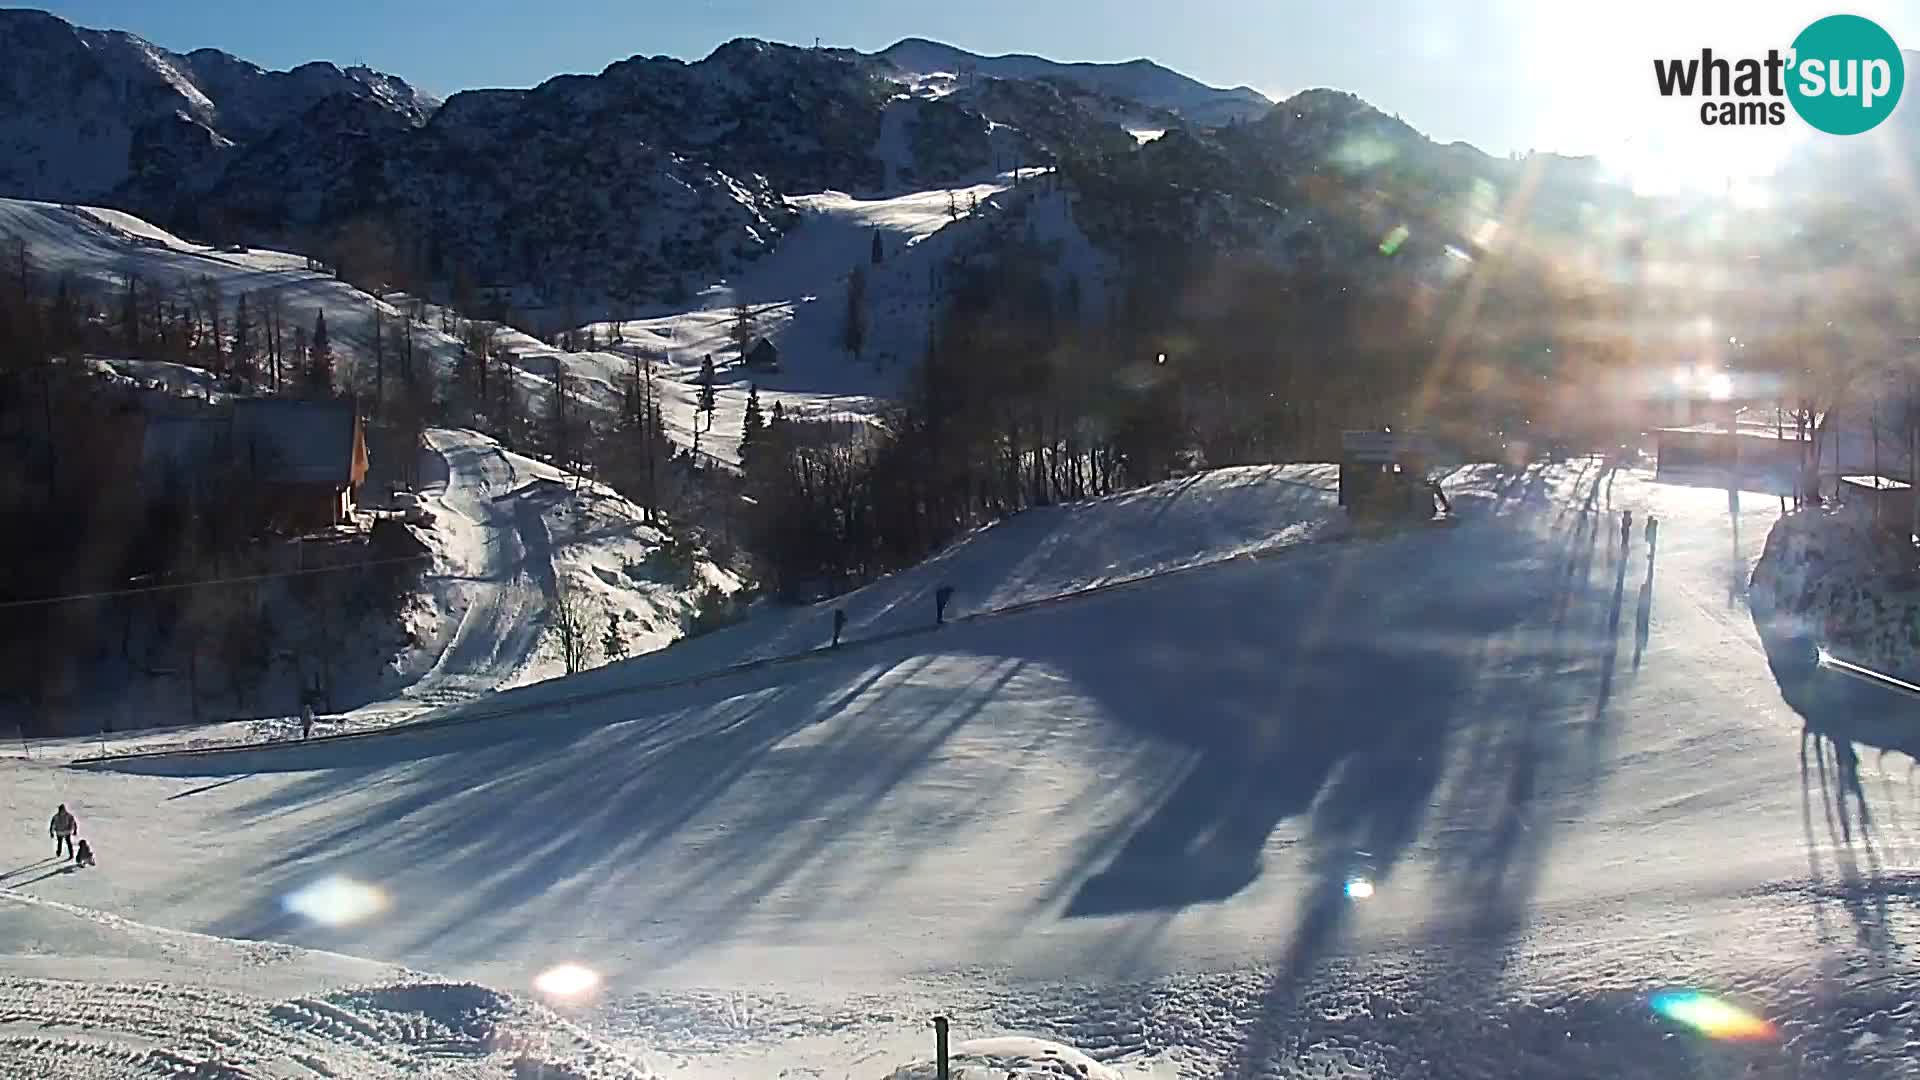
[(650, 180), (87, 114), (640, 184)]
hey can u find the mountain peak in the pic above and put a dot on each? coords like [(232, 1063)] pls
[(1141, 80)]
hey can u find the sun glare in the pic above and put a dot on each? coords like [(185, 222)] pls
[(1589, 75), (567, 981), (1735, 166)]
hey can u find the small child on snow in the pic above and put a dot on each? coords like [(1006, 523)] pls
[(83, 856)]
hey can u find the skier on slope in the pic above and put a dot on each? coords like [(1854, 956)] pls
[(61, 829)]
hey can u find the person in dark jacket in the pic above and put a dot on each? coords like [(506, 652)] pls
[(62, 828), (940, 597), (839, 624)]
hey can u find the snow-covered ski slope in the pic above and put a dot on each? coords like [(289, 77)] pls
[(798, 299), (1131, 820), (797, 296), (99, 247)]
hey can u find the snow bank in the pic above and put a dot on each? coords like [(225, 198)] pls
[(138, 228), (1010, 1058), (1825, 576)]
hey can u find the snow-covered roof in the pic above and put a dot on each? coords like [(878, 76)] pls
[(1714, 427), (1877, 483)]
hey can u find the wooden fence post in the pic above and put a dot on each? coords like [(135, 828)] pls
[(940, 1048)]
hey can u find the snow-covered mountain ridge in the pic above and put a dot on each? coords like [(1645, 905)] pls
[(89, 113), (1142, 81), (641, 184)]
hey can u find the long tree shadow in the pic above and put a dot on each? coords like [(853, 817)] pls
[(473, 843), (1849, 835), (1643, 613), (1530, 726), (1359, 757), (1527, 733)]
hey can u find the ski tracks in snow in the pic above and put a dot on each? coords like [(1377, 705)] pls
[(111, 1031)]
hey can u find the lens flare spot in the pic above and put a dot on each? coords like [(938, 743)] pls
[(1720, 387), (567, 981), (1394, 238), (1359, 888), (1711, 1016), (1821, 655), (337, 901)]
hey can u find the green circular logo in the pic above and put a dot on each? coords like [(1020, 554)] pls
[(1847, 75)]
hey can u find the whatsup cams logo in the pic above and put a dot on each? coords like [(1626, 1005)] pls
[(1843, 75)]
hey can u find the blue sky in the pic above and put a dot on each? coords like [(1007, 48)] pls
[(1502, 74)]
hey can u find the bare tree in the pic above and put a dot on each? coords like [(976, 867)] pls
[(576, 620)]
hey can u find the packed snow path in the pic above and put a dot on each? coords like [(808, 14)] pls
[(1566, 767), (496, 569)]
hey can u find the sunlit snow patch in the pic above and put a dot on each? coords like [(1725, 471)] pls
[(1359, 888), (336, 901), (567, 981), (1711, 1016)]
